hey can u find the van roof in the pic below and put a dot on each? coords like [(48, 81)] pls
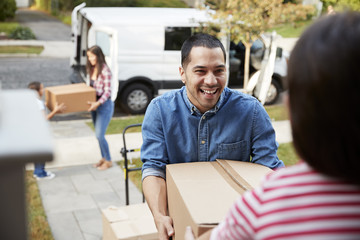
[(144, 15)]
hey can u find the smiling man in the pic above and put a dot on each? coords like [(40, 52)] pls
[(202, 121)]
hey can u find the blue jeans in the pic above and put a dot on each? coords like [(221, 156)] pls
[(40, 169), (101, 119)]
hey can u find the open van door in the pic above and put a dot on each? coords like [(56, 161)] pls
[(75, 34), (107, 39)]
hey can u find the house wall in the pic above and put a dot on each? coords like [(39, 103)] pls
[(23, 3)]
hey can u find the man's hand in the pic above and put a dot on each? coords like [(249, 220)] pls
[(155, 193), (164, 226), (93, 106)]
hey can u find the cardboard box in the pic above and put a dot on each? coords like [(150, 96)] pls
[(201, 193), (74, 96), (131, 222)]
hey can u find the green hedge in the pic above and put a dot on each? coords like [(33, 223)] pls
[(7, 9), (22, 33)]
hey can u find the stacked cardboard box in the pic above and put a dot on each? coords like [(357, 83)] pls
[(133, 222), (201, 193), (74, 96)]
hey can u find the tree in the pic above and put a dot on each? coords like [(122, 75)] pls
[(342, 4), (7, 9), (246, 20)]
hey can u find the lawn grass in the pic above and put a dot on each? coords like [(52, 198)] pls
[(38, 227), (277, 112), (291, 30), (21, 49), (134, 176), (8, 27), (286, 152), (117, 125)]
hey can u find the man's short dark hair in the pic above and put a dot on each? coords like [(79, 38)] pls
[(199, 40), (324, 96)]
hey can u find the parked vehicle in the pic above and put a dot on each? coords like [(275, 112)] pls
[(257, 51), (141, 46)]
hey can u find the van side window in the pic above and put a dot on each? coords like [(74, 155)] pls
[(175, 37), (103, 40)]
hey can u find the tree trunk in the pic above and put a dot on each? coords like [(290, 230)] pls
[(247, 63)]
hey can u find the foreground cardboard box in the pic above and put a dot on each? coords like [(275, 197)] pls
[(201, 193), (74, 96), (131, 222)]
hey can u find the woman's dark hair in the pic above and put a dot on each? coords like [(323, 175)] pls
[(199, 40), (34, 85), (100, 60), (324, 96)]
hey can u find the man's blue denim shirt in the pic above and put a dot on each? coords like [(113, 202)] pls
[(174, 131)]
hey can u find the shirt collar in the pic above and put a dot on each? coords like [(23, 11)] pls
[(214, 110)]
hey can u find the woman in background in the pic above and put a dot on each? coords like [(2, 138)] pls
[(102, 110)]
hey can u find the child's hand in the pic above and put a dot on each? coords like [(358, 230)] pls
[(59, 108)]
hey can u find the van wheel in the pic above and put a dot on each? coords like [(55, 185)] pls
[(273, 93), (135, 98)]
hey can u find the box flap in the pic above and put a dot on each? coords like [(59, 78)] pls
[(129, 222), (130, 212), (143, 228), (114, 214), (246, 174)]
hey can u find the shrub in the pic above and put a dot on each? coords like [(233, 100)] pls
[(7, 9), (23, 33)]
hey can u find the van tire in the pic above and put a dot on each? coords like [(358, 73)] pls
[(135, 98), (273, 93)]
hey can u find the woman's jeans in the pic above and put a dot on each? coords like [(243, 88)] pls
[(101, 119)]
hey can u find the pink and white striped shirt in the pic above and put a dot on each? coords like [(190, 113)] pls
[(295, 203)]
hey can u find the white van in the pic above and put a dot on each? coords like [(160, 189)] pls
[(141, 46)]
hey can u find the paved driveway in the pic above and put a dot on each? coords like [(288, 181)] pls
[(44, 26)]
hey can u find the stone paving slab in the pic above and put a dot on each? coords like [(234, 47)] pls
[(74, 199)]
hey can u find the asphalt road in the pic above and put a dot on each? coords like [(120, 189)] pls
[(16, 73)]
